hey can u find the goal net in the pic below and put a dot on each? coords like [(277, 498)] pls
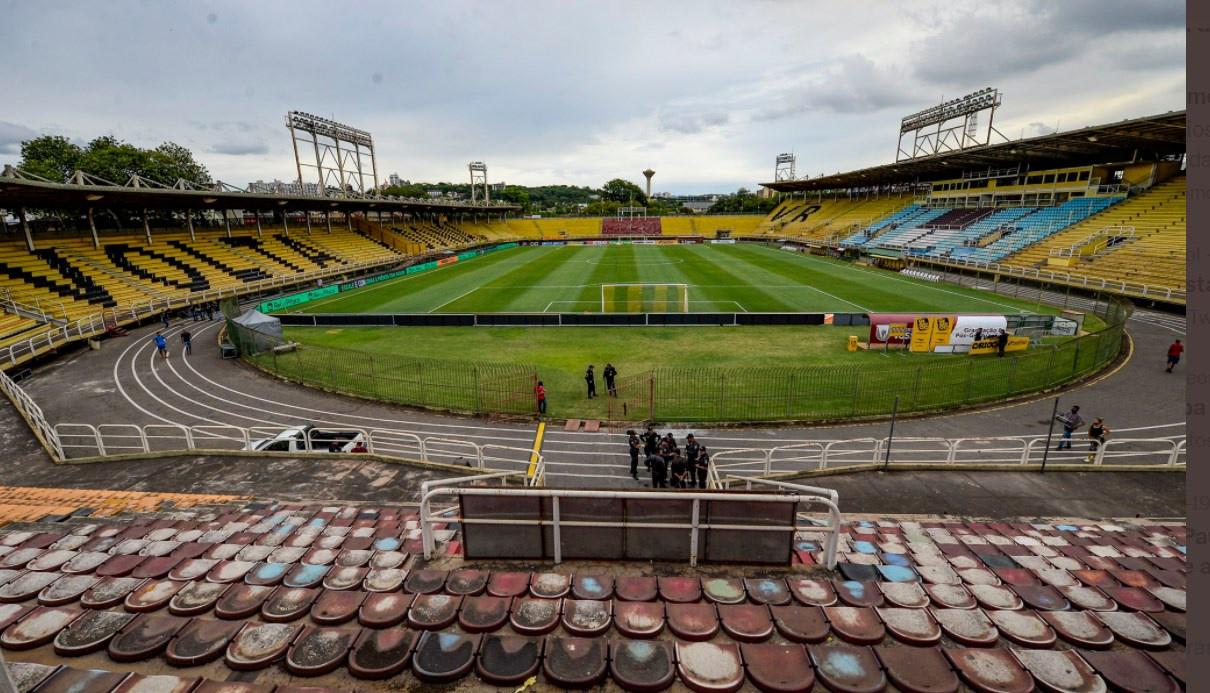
[(644, 298)]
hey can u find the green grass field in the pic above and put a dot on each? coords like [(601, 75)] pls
[(700, 373), (720, 278)]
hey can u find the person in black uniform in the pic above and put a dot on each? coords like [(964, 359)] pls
[(1001, 343), (659, 471), (634, 444), (610, 374), (680, 471), (650, 439), (691, 451), (591, 379), (703, 466)]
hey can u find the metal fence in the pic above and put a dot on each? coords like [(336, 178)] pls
[(819, 393), (460, 386)]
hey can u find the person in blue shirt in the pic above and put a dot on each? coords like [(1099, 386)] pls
[(161, 344)]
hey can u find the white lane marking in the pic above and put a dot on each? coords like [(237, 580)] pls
[(456, 298)]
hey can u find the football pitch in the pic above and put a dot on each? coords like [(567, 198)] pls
[(716, 278)]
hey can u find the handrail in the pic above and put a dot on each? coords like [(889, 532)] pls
[(1077, 280), (34, 418)]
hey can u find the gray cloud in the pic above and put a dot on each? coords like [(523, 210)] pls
[(237, 148), (12, 135), (691, 123), (852, 85)]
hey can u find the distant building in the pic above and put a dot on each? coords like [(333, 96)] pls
[(434, 193), (394, 180)]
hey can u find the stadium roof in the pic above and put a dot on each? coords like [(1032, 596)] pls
[(20, 189), (1145, 138)]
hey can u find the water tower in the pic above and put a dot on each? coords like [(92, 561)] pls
[(648, 173)]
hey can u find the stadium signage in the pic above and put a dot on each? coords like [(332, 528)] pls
[(992, 346), (927, 332), (297, 299)]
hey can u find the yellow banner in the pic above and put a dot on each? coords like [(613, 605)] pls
[(991, 345), (942, 327), (922, 334)]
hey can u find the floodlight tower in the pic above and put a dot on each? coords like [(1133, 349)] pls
[(784, 170), (478, 171), (648, 173)]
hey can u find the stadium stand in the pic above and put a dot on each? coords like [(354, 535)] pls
[(708, 226), (641, 226), (829, 219), (1139, 240), (36, 504), (263, 594)]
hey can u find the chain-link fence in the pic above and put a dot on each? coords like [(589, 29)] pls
[(437, 384), (818, 393)]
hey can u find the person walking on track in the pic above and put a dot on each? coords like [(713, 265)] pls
[(1071, 421), (1097, 432), (1174, 354), (187, 341), (540, 394)]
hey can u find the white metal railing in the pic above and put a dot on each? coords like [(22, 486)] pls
[(77, 441), (1098, 240), (1077, 280), (96, 323), (32, 413), (790, 493)]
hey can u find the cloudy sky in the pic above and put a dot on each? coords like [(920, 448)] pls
[(705, 93)]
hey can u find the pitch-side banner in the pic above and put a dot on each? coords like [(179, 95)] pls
[(924, 332)]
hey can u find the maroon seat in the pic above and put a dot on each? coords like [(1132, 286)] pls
[(709, 667), (202, 641), (381, 654), (345, 577), (288, 604), (156, 567), (638, 619), (90, 632), (1016, 577), (778, 668), (257, 645), (549, 585), (914, 627), (641, 665), (864, 593), (746, 622), (1023, 627), (1088, 598), (466, 582), (534, 616), (481, 614), (383, 579), (320, 556), (847, 669), (17, 560), (66, 589), (1130, 671), (970, 627), (635, 588), (1173, 622), (575, 662), (153, 595), (1133, 578), (241, 601), (26, 586), (918, 669), (724, 590), (1059, 670), (858, 625), (83, 562), (771, 591), (444, 657), (306, 575), (1135, 629), (318, 651), (679, 589), (192, 569), (354, 558), (951, 596), (1041, 597), (692, 621), (1134, 599), (587, 617), (196, 598), (332, 608), (909, 595), (990, 670), (68, 679), (591, 587), (508, 584), (507, 660), (425, 581), (801, 623), (812, 592), (11, 613), (144, 637), (433, 611), (1172, 662), (1172, 597), (189, 549), (1095, 578), (38, 626), (384, 609)]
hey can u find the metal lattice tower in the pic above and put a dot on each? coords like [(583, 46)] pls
[(343, 155), (784, 170), (478, 171), (950, 127)]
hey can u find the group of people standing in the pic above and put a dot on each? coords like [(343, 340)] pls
[(669, 464), (611, 377)]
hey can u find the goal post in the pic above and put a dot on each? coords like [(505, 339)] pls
[(644, 298)]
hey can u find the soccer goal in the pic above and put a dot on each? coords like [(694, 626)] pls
[(644, 298)]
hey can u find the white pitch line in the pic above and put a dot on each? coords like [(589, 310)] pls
[(456, 298)]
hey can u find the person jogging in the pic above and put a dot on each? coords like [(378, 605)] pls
[(591, 379), (1071, 422), (611, 374), (161, 344), (1097, 431), (1174, 354), (187, 341), (634, 446), (540, 395)]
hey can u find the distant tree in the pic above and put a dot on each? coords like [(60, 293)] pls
[(171, 161), (624, 192), (51, 156), (602, 208)]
